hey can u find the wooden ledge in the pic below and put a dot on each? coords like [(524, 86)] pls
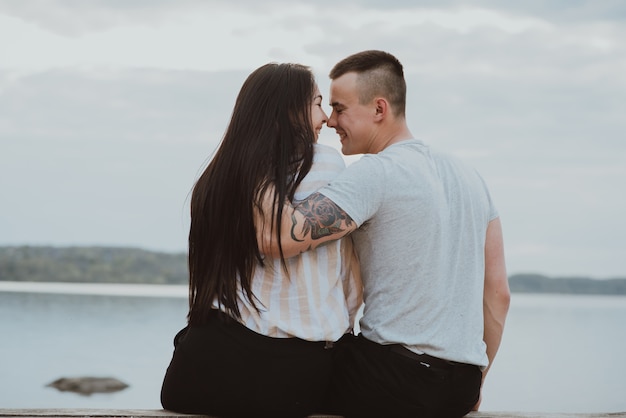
[(160, 413), (122, 413)]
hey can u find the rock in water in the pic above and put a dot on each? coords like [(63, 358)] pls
[(88, 385)]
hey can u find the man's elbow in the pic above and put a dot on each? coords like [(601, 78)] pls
[(497, 294), (270, 251), (502, 294), (270, 247), (504, 297), (267, 243)]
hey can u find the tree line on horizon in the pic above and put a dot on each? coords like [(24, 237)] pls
[(138, 266), (91, 265)]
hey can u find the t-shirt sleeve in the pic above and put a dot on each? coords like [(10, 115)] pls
[(493, 211), (359, 190)]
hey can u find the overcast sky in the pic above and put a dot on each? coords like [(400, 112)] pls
[(109, 109)]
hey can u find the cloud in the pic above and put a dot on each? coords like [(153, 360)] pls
[(147, 105), (108, 109), (70, 18), (540, 113), (107, 157), (73, 19)]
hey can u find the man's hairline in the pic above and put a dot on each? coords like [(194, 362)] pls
[(357, 81)]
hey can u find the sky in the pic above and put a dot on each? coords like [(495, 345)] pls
[(110, 109)]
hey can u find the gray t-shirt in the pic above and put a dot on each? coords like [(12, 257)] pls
[(422, 221)]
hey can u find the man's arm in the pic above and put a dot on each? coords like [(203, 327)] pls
[(497, 295), (305, 225)]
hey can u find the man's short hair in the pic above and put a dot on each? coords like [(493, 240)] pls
[(378, 74)]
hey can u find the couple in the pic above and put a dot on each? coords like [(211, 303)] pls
[(272, 309)]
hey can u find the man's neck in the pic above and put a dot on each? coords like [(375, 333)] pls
[(393, 137)]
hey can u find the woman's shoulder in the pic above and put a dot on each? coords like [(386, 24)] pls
[(327, 154), (324, 149)]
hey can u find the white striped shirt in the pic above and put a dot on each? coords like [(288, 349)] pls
[(319, 298)]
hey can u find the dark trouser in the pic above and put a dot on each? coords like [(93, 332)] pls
[(373, 380), (224, 369)]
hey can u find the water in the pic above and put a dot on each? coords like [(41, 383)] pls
[(44, 336), (560, 353)]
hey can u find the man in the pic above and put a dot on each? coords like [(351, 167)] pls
[(430, 245)]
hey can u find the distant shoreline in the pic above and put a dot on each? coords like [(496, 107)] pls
[(133, 266), (536, 283)]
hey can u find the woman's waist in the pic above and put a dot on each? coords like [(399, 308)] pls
[(322, 323)]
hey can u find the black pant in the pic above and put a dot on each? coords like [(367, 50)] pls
[(224, 369), (373, 380)]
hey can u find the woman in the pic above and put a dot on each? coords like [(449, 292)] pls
[(259, 330)]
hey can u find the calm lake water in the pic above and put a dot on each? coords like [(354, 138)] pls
[(560, 353)]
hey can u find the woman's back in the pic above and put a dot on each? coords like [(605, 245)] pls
[(317, 298)]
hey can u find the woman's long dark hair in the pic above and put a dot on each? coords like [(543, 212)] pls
[(269, 142)]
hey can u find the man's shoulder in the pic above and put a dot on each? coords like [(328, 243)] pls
[(453, 161)]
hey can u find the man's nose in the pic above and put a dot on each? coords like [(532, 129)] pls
[(332, 121)]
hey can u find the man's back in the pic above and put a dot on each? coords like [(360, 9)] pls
[(422, 222)]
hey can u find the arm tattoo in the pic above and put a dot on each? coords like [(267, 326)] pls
[(322, 217)]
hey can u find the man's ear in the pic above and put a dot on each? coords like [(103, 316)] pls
[(382, 107)]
